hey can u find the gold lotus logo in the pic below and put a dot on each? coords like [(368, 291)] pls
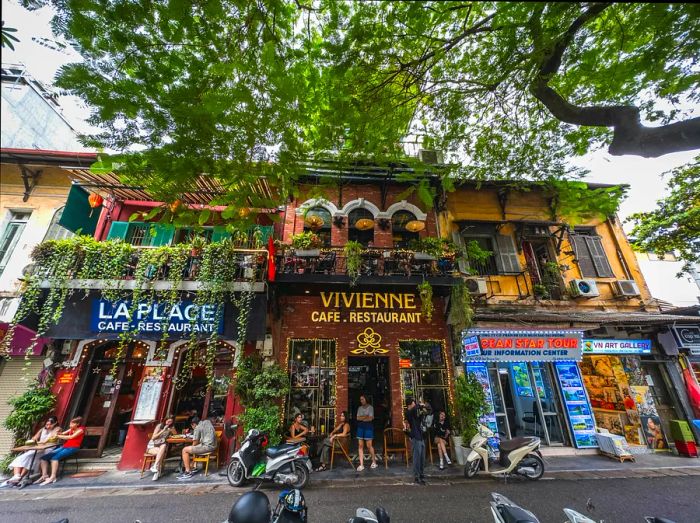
[(368, 342)]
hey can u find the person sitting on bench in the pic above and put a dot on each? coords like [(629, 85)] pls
[(73, 440)]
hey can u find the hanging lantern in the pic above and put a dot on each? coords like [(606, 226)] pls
[(314, 222), (364, 224), (175, 206), (95, 201), (415, 226), (244, 212)]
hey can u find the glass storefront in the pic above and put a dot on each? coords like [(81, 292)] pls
[(424, 372)]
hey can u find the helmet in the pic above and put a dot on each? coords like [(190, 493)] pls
[(293, 500), (251, 507), (252, 433)]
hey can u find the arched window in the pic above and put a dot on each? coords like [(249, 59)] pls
[(363, 236), (400, 235), (57, 231), (318, 220)]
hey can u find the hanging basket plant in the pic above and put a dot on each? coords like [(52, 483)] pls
[(353, 260), (425, 291)]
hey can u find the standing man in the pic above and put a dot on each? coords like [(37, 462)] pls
[(203, 442), (412, 425), (365, 432)]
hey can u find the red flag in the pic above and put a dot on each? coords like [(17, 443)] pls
[(271, 269)]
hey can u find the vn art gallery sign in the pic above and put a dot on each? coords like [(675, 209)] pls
[(367, 307), (179, 319), (525, 345)]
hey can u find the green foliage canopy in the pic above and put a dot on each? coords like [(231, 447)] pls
[(674, 226)]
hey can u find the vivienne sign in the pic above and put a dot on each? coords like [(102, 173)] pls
[(616, 346), (182, 318), (367, 307), (527, 345)]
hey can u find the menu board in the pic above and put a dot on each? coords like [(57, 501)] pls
[(481, 373), (578, 410), (147, 406)]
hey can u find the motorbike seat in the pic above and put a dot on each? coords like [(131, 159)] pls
[(273, 452), (513, 514), (512, 444)]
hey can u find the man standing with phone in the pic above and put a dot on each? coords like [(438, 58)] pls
[(412, 425)]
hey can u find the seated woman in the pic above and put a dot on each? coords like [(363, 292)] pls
[(298, 430), (341, 430), (157, 445), (441, 429), (20, 465), (73, 439)]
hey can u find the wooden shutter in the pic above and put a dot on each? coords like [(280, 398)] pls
[(118, 230), (461, 262), (507, 255), (163, 235), (598, 256), (219, 233)]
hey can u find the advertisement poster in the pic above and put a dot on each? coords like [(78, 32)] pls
[(471, 348), (521, 379), (481, 373), (578, 411)]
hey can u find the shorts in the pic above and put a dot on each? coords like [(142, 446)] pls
[(60, 453), (201, 449), (365, 431)]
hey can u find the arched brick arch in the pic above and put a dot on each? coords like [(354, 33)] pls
[(403, 205), (318, 202), (361, 203)]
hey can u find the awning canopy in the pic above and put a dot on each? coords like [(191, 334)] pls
[(22, 340)]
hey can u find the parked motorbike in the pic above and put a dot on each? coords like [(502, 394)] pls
[(287, 464), (254, 507), (519, 456), (363, 515), (577, 517), (504, 510)]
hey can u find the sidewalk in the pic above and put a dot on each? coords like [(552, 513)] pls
[(99, 483)]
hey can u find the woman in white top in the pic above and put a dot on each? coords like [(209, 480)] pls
[(20, 465), (157, 446)]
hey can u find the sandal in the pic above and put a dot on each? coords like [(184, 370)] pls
[(321, 468)]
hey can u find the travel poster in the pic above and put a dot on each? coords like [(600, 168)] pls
[(481, 373), (523, 387), (578, 411)]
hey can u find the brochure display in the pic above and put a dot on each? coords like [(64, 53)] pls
[(481, 373), (578, 411)]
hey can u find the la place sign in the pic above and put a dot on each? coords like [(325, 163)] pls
[(524, 345)]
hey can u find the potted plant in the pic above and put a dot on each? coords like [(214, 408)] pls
[(196, 245), (306, 244), (353, 260), (540, 291), (470, 405)]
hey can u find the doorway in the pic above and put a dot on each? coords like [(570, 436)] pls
[(106, 399), (543, 268), (370, 376)]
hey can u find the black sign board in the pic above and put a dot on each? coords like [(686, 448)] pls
[(687, 336)]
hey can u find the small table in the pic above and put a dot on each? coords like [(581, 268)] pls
[(24, 481), (178, 440)]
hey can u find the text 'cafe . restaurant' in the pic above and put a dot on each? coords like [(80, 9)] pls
[(533, 384), (120, 396)]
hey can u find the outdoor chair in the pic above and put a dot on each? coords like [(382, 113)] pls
[(326, 264), (342, 445), (533, 417), (209, 456), (148, 459), (395, 442)]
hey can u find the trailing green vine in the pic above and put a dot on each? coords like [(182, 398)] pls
[(353, 260), (425, 291)]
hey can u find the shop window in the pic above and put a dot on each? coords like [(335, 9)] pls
[(590, 254), (366, 236), (318, 220), (400, 235), (424, 372), (313, 381), (11, 235), (187, 234)]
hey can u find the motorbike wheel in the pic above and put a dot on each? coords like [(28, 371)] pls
[(235, 473), (302, 475), (472, 468), (535, 462)]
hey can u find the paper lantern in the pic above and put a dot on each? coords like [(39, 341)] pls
[(244, 212), (415, 226), (314, 222), (364, 224), (175, 206), (95, 201)]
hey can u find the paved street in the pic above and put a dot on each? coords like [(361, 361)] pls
[(624, 500)]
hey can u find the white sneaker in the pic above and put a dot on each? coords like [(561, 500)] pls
[(373, 466), (360, 468), (448, 461), (153, 468), (156, 475)]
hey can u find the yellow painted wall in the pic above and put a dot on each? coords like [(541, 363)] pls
[(46, 198), (467, 204)]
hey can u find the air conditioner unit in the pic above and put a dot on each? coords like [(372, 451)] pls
[(585, 288), (431, 156), (267, 346), (476, 286), (627, 288)]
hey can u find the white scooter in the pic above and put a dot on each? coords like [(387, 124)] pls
[(577, 517), (518, 456), (504, 510)]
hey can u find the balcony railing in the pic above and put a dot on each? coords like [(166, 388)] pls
[(375, 262)]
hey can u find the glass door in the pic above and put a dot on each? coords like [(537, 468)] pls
[(548, 403), (499, 404)]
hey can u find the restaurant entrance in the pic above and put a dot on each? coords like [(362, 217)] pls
[(370, 376), (105, 399)]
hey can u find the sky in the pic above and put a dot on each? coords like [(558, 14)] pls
[(642, 174)]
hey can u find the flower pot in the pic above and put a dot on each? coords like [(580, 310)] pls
[(460, 451), (423, 256), (307, 253)]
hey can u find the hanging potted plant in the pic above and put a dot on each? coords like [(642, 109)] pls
[(353, 260), (470, 405), (425, 291), (306, 244), (196, 246)]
